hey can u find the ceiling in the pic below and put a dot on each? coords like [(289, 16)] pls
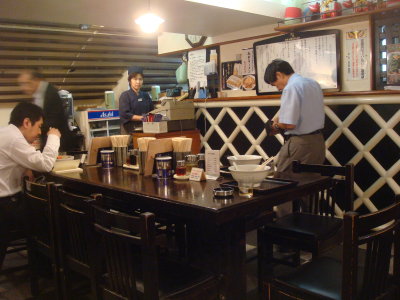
[(45, 34), (181, 16)]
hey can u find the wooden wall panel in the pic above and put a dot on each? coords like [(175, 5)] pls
[(84, 62)]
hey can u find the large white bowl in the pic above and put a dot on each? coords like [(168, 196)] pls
[(247, 173), (245, 159)]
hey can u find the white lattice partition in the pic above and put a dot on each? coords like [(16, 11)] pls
[(361, 104)]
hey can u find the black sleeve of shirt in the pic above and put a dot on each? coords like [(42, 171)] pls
[(125, 113), (150, 102)]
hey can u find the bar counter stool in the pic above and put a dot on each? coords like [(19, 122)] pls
[(313, 230), (42, 245), (362, 273), (127, 250)]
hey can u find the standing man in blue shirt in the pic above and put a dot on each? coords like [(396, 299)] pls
[(134, 103), (301, 117)]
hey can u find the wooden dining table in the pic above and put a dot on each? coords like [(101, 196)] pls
[(220, 222)]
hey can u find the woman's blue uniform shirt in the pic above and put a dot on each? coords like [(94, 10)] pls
[(132, 104)]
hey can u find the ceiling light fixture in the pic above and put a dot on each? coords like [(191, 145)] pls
[(149, 22)]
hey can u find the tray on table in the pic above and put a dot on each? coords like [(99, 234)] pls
[(268, 185)]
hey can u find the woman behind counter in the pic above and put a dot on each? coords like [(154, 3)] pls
[(134, 103)]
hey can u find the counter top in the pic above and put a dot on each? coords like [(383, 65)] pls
[(183, 198)]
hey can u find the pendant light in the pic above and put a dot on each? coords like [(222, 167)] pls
[(149, 22)]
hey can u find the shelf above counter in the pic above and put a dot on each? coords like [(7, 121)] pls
[(321, 22), (105, 128), (278, 96)]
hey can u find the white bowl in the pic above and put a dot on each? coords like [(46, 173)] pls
[(66, 164), (65, 157), (248, 173), (245, 159)]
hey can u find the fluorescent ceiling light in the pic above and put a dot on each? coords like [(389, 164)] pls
[(270, 8)]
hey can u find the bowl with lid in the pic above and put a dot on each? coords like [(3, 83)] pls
[(244, 159)]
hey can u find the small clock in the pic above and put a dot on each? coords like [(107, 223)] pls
[(195, 40)]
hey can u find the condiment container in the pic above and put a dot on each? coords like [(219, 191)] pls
[(191, 162), (201, 163), (180, 169), (107, 159), (164, 167)]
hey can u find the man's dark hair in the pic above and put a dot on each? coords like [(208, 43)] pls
[(25, 110), (277, 65), (133, 75)]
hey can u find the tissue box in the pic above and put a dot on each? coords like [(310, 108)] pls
[(155, 127)]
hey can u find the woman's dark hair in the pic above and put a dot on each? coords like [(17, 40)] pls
[(25, 110), (133, 75), (277, 65)]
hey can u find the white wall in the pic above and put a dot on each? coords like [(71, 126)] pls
[(121, 87), (5, 112)]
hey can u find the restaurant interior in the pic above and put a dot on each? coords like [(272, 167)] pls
[(116, 220)]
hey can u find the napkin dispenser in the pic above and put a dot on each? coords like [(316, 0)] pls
[(175, 110)]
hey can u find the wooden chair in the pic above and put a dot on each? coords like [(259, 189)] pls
[(315, 229), (42, 246), (127, 249), (74, 231), (363, 273)]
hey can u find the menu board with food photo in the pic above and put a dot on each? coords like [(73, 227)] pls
[(233, 78), (393, 64)]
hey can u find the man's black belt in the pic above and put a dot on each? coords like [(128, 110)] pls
[(12, 197), (288, 136)]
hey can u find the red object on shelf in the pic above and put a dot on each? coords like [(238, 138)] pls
[(292, 12), (315, 8), (330, 9)]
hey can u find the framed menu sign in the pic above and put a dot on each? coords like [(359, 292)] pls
[(312, 54)]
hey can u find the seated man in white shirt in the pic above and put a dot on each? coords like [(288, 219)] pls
[(17, 158)]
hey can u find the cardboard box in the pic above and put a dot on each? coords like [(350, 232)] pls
[(176, 110), (168, 126), (155, 127)]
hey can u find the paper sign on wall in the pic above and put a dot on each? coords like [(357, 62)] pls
[(356, 58), (196, 63), (248, 62)]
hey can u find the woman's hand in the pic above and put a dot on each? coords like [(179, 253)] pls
[(136, 118)]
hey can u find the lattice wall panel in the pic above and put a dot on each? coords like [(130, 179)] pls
[(365, 134)]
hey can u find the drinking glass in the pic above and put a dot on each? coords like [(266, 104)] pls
[(245, 188)]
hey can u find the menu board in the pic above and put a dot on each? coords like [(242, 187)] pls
[(312, 54)]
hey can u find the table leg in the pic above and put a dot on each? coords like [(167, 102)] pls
[(222, 249)]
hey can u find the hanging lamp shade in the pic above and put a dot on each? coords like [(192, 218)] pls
[(149, 22)]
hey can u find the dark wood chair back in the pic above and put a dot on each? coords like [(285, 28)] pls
[(378, 232), (41, 222), (73, 221), (127, 239), (41, 232), (340, 193), (362, 272), (75, 233)]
